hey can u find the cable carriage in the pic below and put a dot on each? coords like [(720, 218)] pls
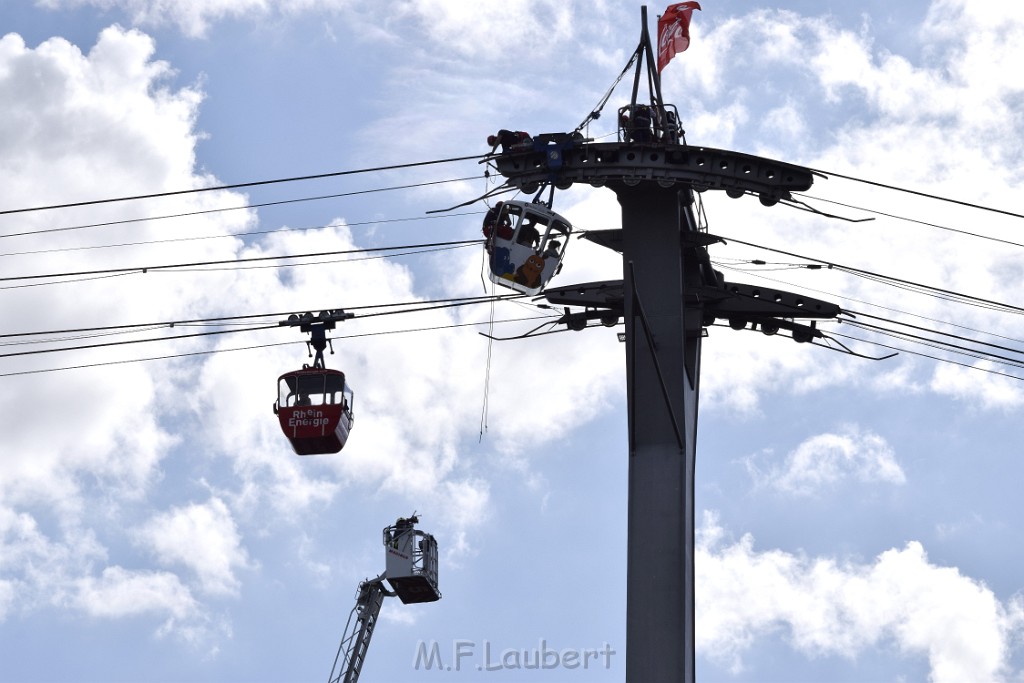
[(314, 404), (525, 244)]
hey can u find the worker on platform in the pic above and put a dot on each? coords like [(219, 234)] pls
[(509, 139)]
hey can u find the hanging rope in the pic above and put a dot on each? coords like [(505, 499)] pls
[(487, 371)]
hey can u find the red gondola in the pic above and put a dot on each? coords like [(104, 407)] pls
[(314, 407), (314, 404)]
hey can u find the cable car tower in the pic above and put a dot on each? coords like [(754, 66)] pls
[(669, 294), (410, 569)]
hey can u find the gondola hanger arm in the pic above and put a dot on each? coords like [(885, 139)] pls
[(804, 206), (531, 333), (850, 352), (486, 195)]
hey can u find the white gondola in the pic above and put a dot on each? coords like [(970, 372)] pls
[(525, 244)]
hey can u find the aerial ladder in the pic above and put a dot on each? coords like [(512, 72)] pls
[(410, 570)]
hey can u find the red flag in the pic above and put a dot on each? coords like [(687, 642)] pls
[(674, 31)]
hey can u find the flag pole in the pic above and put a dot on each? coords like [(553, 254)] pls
[(652, 66)]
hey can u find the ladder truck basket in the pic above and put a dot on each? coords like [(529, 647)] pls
[(411, 562)]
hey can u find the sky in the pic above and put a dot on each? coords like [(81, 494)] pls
[(855, 517)]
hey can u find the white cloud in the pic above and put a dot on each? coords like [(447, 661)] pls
[(978, 388), (106, 119), (896, 118), (76, 126), (8, 590), (462, 505), (57, 572), (119, 592), (89, 123), (828, 607), (203, 538), (983, 43), (193, 17), (319, 570), (786, 121), (463, 28), (529, 27), (40, 566), (825, 460)]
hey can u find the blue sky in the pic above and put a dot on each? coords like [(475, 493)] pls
[(856, 519)]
